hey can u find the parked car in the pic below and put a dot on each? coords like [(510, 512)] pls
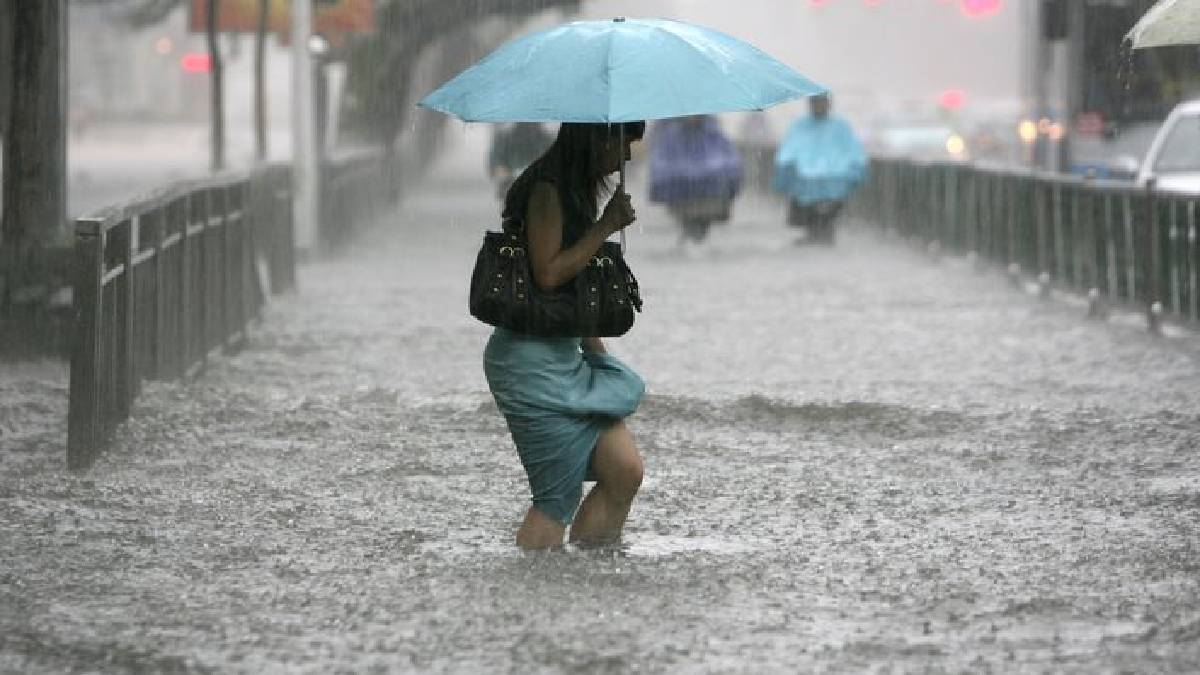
[(1115, 154), (919, 141), (1173, 160)]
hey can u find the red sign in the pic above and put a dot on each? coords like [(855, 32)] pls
[(195, 62), (975, 8), (334, 20), (952, 99)]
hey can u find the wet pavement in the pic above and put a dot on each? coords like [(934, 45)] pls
[(858, 460)]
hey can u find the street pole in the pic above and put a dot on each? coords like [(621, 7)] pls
[(1033, 74), (1073, 80), (260, 97), (1041, 84), (35, 147), (217, 99), (304, 137)]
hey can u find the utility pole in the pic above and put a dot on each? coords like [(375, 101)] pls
[(35, 148), (304, 138), (217, 139), (1073, 78), (1040, 79), (260, 97)]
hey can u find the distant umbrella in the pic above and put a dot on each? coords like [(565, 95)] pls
[(1168, 23)]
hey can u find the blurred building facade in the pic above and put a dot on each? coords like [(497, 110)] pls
[(118, 71)]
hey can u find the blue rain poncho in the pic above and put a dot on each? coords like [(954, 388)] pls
[(692, 159), (819, 160)]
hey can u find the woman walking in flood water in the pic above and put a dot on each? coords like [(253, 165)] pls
[(565, 399)]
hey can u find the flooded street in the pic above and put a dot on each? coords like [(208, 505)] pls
[(857, 460)]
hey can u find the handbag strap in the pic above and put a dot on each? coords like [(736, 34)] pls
[(514, 227)]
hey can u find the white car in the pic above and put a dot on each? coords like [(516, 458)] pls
[(1173, 160), (919, 141)]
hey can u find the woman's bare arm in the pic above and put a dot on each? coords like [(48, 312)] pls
[(553, 265), (594, 345)]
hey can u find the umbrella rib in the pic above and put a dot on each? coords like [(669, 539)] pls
[(608, 74)]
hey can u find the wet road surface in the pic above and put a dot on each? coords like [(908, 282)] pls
[(857, 461)]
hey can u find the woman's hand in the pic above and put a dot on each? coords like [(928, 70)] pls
[(618, 213), (552, 265)]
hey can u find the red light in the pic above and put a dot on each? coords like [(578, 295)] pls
[(195, 62), (980, 8), (952, 99)]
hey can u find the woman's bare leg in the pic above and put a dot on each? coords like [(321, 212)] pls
[(618, 468), (539, 531)]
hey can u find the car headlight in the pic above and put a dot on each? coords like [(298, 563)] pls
[(955, 145)]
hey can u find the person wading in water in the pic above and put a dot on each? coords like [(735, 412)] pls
[(565, 399)]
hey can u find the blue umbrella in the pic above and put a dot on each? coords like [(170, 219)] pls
[(622, 70)]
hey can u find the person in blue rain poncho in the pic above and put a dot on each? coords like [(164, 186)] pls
[(819, 164), (695, 171)]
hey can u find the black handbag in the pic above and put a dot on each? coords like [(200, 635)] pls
[(599, 302)]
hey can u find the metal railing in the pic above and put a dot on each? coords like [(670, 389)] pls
[(1116, 243), (163, 282)]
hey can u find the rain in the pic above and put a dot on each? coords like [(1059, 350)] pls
[(918, 337)]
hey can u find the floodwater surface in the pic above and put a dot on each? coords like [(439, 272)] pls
[(857, 460)]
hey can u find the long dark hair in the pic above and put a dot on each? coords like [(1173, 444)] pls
[(574, 158)]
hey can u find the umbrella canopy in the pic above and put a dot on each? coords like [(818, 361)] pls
[(622, 70), (1170, 22)]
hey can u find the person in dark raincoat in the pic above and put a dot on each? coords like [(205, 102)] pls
[(818, 165), (695, 171)]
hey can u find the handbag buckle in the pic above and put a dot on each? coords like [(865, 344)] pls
[(511, 251)]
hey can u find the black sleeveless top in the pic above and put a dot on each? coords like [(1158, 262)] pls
[(578, 214)]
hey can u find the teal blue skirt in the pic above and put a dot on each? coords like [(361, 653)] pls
[(556, 400)]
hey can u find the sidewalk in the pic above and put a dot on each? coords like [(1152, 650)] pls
[(856, 460)]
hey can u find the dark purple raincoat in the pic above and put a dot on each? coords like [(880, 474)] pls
[(691, 159)]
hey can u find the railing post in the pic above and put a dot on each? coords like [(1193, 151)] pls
[(1131, 281), (242, 252), (1055, 256), (1079, 227), (1173, 251), (83, 410), (158, 220), (203, 309), (1112, 272), (222, 213), (952, 233), (186, 281), (1153, 262), (288, 245), (1091, 271), (1040, 235), (970, 217), (1014, 266), (1193, 263), (125, 366)]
